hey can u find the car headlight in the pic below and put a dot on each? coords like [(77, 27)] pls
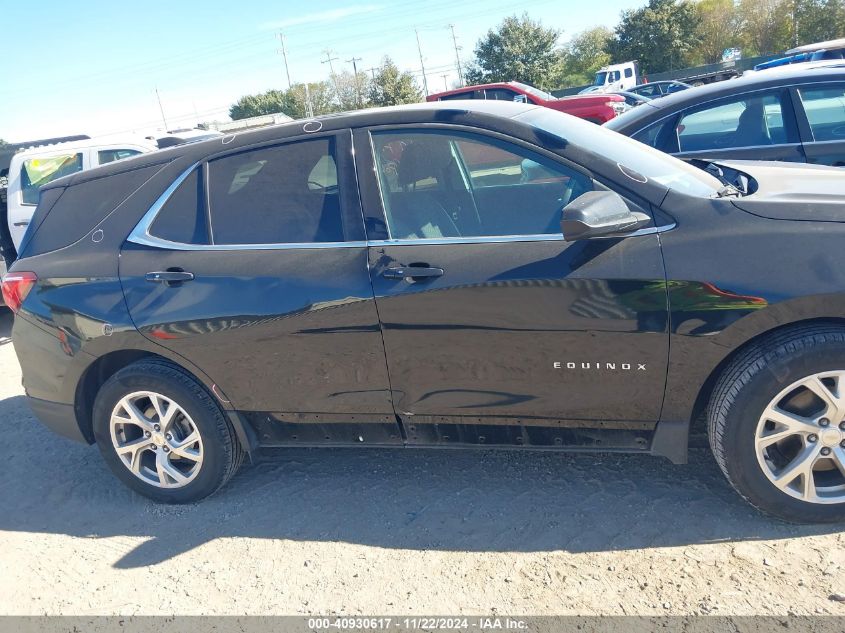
[(619, 107)]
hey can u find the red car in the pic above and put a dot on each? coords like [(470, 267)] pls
[(596, 107)]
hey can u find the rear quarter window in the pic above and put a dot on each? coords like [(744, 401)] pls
[(80, 208)]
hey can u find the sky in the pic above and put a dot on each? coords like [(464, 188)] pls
[(94, 66)]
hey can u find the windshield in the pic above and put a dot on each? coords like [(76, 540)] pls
[(625, 152), (601, 79), (545, 96)]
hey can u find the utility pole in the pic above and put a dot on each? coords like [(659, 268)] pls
[(357, 86), (445, 85), (457, 56), (328, 60), (422, 65), (160, 107), (372, 71), (283, 51)]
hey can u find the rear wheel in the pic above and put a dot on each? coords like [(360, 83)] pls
[(163, 435), (777, 424)]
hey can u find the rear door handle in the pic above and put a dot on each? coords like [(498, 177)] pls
[(414, 272), (169, 276)]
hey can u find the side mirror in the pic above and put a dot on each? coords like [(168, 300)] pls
[(599, 214)]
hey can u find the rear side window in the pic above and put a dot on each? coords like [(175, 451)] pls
[(747, 121), (80, 208), (182, 218), (36, 172), (276, 195), (110, 155), (825, 109)]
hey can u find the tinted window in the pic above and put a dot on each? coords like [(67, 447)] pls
[(742, 122), (470, 94), (825, 108), (439, 184), (110, 155), (36, 172), (182, 218), (275, 195), (501, 94), (629, 72)]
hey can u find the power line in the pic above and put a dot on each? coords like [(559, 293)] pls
[(422, 65), (328, 60), (284, 54), (457, 56), (354, 61)]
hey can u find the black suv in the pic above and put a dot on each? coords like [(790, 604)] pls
[(483, 274)]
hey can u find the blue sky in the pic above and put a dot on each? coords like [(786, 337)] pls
[(92, 66)]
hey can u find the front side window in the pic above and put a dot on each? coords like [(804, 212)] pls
[(276, 195), (825, 109), (747, 121), (110, 155), (37, 172), (453, 185)]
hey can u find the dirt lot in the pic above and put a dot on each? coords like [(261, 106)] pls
[(364, 531)]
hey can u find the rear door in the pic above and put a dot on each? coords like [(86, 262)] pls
[(821, 110), (496, 330), (254, 268)]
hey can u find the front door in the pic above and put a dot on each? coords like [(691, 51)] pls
[(489, 318), (255, 270)]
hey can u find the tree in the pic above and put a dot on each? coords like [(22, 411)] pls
[(818, 20), (520, 49), (392, 87), (660, 35), (349, 87), (767, 25), (584, 54), (719, 27), (291, 102)]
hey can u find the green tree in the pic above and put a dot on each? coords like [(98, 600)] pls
[(292, 102), (660, 35), (519, 49), (719, 26), (767, 25), (818, 20), (392, 87), (584, 54), (348, 88)]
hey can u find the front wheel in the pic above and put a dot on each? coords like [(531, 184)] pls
[(163, 435), (777, 424)]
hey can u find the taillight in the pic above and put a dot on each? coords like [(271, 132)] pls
[(15, 288)]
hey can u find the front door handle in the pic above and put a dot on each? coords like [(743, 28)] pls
[(414, 272), (169, 276)]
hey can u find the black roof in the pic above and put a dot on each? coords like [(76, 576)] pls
[(784, 76), (461, 111)]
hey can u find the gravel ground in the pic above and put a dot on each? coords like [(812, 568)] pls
[(369, 531)]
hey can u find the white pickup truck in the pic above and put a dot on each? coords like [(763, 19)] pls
[(33, 167)]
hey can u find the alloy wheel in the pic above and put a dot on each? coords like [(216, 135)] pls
[(800, 439), (155, 439)]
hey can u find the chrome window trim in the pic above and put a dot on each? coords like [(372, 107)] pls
[(499, 239), (141, 233)]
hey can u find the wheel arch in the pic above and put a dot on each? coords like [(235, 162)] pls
[(105, 366), (706, 390)]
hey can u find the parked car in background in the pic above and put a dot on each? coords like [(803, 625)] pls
[(656, 89), (471, 274), (631, 98), (30, 169), (820, 51), (596, 108), (787, 114)]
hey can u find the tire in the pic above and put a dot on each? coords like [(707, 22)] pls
[(197, 445), (765, 374)]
